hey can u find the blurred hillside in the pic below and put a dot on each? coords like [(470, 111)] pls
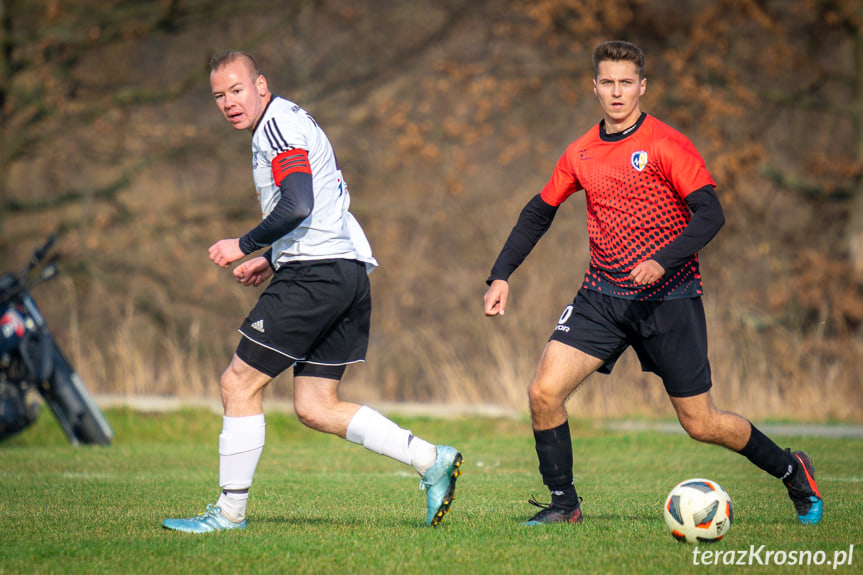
[(447, 116)]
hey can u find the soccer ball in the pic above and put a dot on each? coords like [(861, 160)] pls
[(698, 511)]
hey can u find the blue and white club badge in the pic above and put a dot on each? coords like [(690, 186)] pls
[(639, 160)]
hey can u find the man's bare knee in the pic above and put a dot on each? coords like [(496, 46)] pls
[(542, 398), (310, 414), (700, 418), (232, 385), (241, 386), (698, 429)]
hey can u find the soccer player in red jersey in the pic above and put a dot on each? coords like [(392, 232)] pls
[(651, 206)]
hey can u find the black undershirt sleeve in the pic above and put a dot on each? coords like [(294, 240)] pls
[(293, 207), (533, 222), (269, 256), (707, 219)]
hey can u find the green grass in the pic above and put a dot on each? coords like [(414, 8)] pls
[(322, 505)]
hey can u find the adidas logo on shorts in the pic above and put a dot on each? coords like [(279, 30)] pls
[(258, 326)]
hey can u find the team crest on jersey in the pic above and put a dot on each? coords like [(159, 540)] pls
[(639, 160)]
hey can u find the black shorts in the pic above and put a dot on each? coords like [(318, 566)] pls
[(316, 312), (670, 336)]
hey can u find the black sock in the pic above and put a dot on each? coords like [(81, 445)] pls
[(761, 451), (554, 449)]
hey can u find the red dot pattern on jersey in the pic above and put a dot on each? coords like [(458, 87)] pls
[(632, 213)]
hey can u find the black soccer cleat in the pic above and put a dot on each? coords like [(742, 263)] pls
[(803, 491), (554, 514)]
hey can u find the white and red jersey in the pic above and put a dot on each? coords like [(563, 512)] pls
[(330, 231)]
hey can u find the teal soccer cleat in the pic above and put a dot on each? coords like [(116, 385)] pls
[(439, 483), (207, 522)]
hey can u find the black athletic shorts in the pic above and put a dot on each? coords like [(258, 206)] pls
[(670, 336), (316, 312)]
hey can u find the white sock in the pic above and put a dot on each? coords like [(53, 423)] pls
[(377, 433), (240, 445), (233, 505)]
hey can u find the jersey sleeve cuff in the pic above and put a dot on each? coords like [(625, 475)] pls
[(248, 245)]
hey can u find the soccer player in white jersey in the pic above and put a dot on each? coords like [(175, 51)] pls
[(313, 316)]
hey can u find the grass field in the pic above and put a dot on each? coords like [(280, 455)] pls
[(322, 505)]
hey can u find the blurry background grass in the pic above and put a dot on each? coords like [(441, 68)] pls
[(322, 505)]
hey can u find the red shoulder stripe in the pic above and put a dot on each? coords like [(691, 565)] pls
[(290, 162)]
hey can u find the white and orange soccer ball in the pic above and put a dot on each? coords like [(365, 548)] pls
[(698, 511)]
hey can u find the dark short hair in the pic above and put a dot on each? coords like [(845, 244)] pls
[(618, 51), (230, 56)]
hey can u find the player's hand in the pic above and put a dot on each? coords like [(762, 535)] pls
[(495, 298), (224, 252), (647, 272), (253, 272)]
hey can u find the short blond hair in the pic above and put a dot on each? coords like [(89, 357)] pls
[(226, 57)]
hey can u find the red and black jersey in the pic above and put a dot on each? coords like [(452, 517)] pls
[(635, 184)]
